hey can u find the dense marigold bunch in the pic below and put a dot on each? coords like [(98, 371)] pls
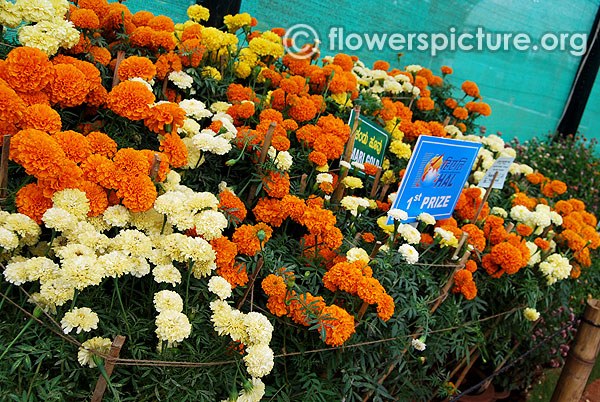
[(507, 257), (69, 87), (277, 184), (231, 205), (226, 251), (463, 283), (135, 66), (356, 278), (27, 69), (250, 239), (131, 99), (165, 117), (468, 203), (306, 309)]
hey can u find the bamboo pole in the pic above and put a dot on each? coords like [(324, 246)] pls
[(582, 356), (109, 365), (259, 265), (375, 183), (120, 57), (485, 197), (261, 159), (4, 166)]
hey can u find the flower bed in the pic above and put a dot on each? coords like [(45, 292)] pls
[(189, 188)]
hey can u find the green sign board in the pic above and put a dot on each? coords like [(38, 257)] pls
[(370, 141)]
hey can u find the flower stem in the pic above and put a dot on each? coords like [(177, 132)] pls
[(121, 304)]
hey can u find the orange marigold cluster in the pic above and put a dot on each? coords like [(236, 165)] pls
[(250, 238), (356, 278), (463, 283), (468, 203)]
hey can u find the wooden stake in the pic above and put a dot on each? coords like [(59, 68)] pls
[(109, 365), (4, 166), (303, 183), (384, 191), (259, 265), (267, 144), (120, 57), (485, 197), (446, 121), (376, 182), (461, 242), (350, 143), (155, 167), (375, 249), (363, 310), (264, 151), (582, 356)]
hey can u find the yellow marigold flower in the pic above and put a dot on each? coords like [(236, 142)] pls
[(352, 182), (235, 22), (198, 13)]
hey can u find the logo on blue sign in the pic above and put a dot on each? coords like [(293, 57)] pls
[(435, 176)]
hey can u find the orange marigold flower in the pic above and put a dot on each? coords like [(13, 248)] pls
[(577, 204), (130, 99), (135, 66), (12, 107), (163, 114), (174, 149), (460, 113), (191, 52), (33, 98), (524, 230), (368, 237), (247, 237), (476, 236), (69, 87), (471, 266), (131, 161), (138, 192), (470, 88), (85, 18), (523, 199), (535, 178), (451, 103), (318, 158), (541, 243), (425, 103), (446, 70), (30, 201), (344, 61), (141, 18), (303, 109), (143, 36), (102, 144), (97, 196), (100, 7), (27, 69), (232, 206), (166, 64), (277, 184), (493, 269), (293, 207), (339, 325), (37, 152), (508, 257), (75, 146), (558, 186), (162, 23), (193, 31), (381, 65), (269, 210), (274, 285), (370, 169)]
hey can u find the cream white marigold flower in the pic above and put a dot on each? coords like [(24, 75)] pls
[(259, 360), (73, 201), (181, 79), (324, 178), (426, 218), (501, 212), (259, 329), (419, 344), (531, 314), (117, 215), (219, 286), (555, 268), (409, 233), (210, 224), (82, 271), (357, 254), (195, 109), (352, 182), (100, 345), (59, 219), (254, 394), (447, 238), (172, 326), (166, 273), (24, 226), (82, 319), (397, 214), (8, 239), (168, 300), (409, 253)]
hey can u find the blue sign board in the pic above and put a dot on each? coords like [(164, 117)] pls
[(435, 176)]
